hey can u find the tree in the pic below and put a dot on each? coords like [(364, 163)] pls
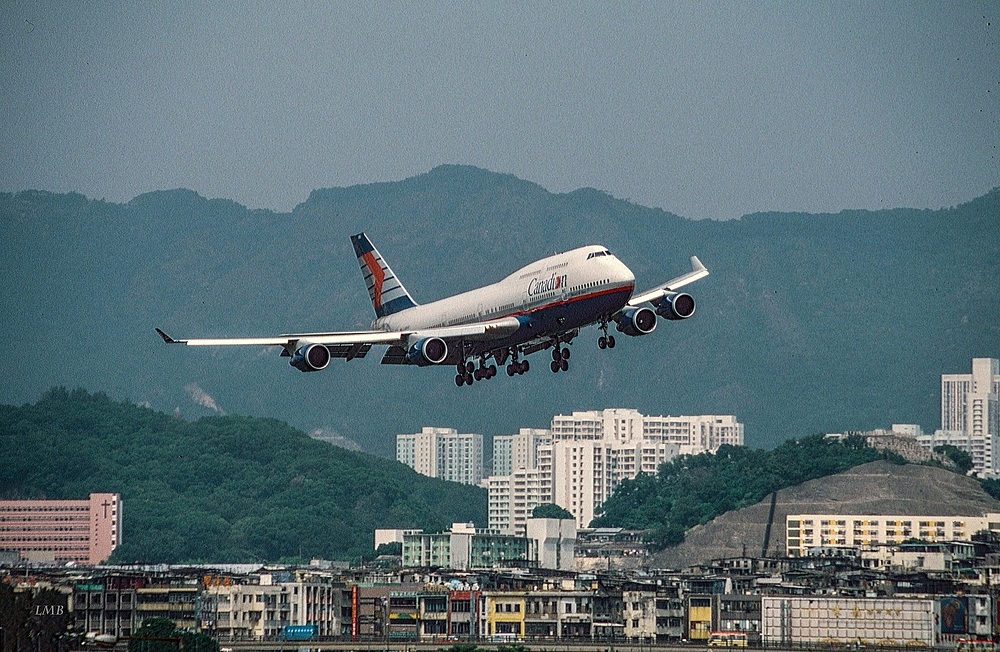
[(962, 459), (550, 510), (390, 548), (155, 633)]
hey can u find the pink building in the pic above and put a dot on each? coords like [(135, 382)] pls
[(84, 531)]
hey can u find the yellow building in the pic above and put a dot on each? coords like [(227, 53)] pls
[(699, 618), (504, 614)]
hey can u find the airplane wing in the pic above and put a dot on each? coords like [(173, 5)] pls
[(479, 331), (698, 271)]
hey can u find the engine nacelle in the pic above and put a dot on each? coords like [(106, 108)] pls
[(428, 351), (311, 357), (637, 321), (676, 305)]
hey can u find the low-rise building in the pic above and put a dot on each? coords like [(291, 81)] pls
[(804, 531), (465, 547)]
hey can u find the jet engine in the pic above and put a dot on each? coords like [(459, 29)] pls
[(311, 357), (637, 321), (676, 305), (428, 351)]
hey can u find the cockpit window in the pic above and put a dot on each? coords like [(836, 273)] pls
[(595, 254)]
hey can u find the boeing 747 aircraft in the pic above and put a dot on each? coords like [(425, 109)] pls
[(541, 306)]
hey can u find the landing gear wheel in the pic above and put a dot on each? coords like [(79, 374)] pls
[(460, 380), (564, 365), (492, 370), (510, 370), (602, 342), (565, 354), (469, 367), (460, 368), (611, 341), (555, 366), (525, 366), (468, 378), (556, 354)]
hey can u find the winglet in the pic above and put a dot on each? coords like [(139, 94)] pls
[(696, 265), (166, 338)]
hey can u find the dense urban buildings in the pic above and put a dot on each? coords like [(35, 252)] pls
[(827, 597), (576, 464), (80, 531)]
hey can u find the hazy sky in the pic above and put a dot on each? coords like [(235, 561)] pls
[(703, 109)]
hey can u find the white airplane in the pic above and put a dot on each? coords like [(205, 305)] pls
[(540, 306)]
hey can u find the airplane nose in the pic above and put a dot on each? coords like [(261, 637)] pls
[(622, 273)]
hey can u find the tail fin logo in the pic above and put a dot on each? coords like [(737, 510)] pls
[(378, 278)]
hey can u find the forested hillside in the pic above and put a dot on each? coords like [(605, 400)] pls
[(693, 489), (807, 323), (221, 488)]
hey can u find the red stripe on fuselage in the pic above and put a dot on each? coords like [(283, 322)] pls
[(592, 295)]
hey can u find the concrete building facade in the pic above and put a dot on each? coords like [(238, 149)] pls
[(443, 453), (805, 531), (81, 531), (520, 451)]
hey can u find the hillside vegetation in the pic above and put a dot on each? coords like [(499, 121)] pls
[(221, 488), (693, 489)]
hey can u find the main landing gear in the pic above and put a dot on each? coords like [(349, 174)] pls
[(560, 359), (468, 373), (517, 367)]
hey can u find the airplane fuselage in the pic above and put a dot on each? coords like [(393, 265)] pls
[(554, 294)]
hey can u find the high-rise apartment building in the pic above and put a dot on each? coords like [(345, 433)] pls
[(443, 453), (518, 451), (692, 434), (81, 531), (970, 415), (513, 497), (590, 453)]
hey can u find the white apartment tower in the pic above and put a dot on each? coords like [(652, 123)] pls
[(518, 451), (443, 453), (513, 497), (970, 415)]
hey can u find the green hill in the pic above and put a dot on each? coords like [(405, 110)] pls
[(221, 488), (693, 489), (808, 323)]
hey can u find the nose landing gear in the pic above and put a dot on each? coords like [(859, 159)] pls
[(605, 341)]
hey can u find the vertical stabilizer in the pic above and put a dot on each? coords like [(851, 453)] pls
[(387, 294)]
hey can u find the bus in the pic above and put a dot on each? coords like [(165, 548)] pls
[(727, 639)]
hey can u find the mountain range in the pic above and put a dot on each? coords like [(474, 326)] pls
[(807, 323)]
